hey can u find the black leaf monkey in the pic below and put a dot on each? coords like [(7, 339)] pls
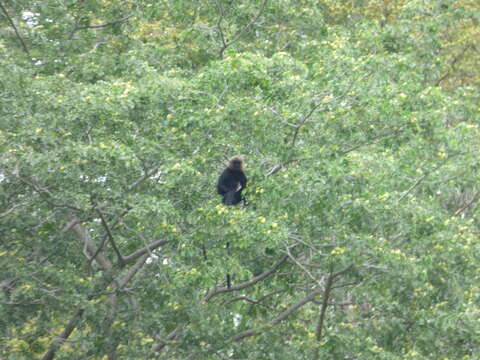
[(232, 181), (230, 185)]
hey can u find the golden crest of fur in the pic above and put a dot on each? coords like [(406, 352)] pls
[(236, 163)]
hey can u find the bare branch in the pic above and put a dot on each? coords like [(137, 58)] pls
[(309, 298), (226, 43), (418, 182), (148, 173), (131, 272), (84, 238), (296, 262), (70, 225), (475, 198), (341, 272), (280, 166), (130, 187), (323, 309), (45, 194), (219, 28), (74, 321), (317, 105), (246, 284), (110, 237), (249, 25), (438, 166), (452, 64), (164, 342), (372, 141), (244, 298), (332, 277), (60, 339), (102, 25), (252, 301), (353, 283), (114, 224), (303, 121), (282, 316), (5, 12), (128, 259), (12, 209)]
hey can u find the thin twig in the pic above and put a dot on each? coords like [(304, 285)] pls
[(44, 193), (302, 122), (102, 25), (280, 166), (415, 184), (252, 301), (317, 105), (455, 59), (114, 224), (75, 320), (84, 238), (110, 237), (148, 173), (468, 204), (60, 339), (371, 141), (5, 12), (147, 249), (439, 165), (164, 342), (226, 43), (12, 209), (323, 309), (246, 284), (310, 275), (282, 316)]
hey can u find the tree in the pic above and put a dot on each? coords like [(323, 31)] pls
[(358, 240)]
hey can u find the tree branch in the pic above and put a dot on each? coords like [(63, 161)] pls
[(84, 238), (5, 12), (282, 316), (455, 59), (128, 259), (164, 342), (252, 301), (309, 298), (418, 182), (60, 339), (110, 237), (303, 121), (323, 309), (75, 320), (315, 107), (45, 193), (114, 224), (148, 173), (101, 25), (246, 284), (461, 209), (239, 34), (280, 166), (131, 272), (372, 140), (12, 209)]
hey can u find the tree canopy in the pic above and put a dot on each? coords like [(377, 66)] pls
[(359, 123)]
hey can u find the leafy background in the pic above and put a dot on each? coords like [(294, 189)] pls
[(359, 123)]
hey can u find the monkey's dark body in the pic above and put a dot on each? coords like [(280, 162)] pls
[(230, 184)]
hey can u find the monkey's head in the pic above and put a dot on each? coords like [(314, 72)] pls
[(236, 163)]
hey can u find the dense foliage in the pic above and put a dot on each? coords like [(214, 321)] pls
[(359, 122)]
